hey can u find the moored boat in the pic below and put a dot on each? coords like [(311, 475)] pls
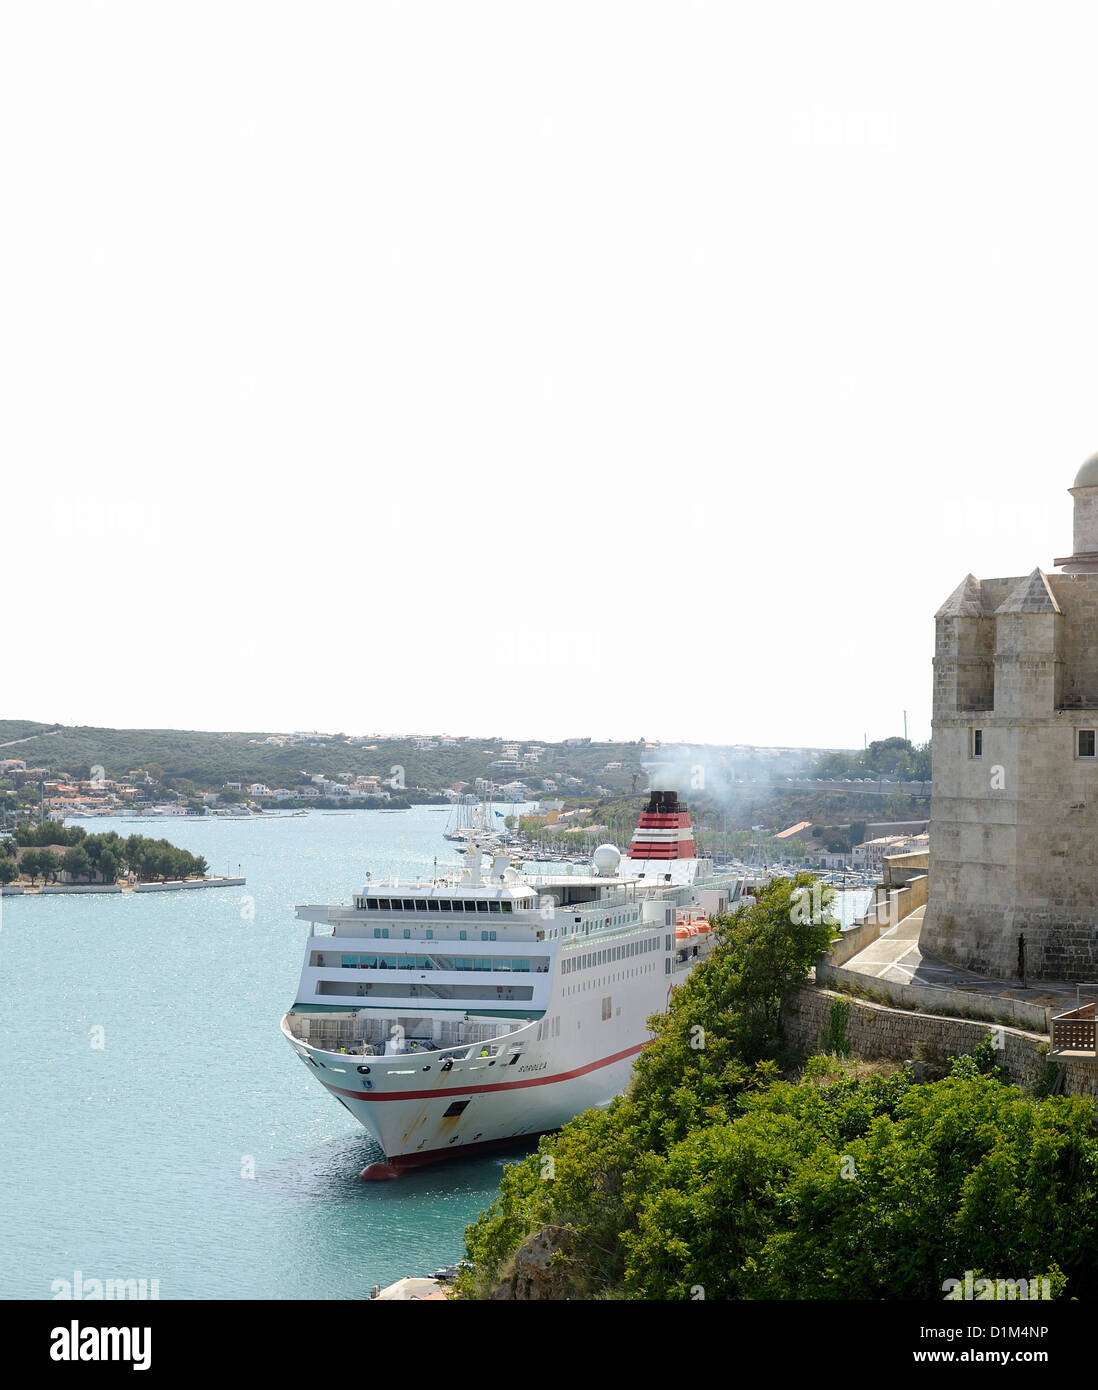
[(473, 1010)]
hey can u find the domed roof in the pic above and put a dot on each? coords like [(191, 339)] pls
[(1088, 474)]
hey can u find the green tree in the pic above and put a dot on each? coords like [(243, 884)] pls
[(77, 863), (48, 863)]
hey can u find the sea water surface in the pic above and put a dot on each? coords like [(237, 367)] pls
[(154, 1123), (192, 1146)]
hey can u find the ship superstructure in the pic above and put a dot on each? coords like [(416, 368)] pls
[(467, 1011)]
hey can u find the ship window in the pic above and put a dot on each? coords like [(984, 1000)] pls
[(493, 907), (430, 933), (432, 904), (407, 962), (1086, 743), (377, 931), (520, 965), (482, 906), (977, 743), (461, 935), (491, 936), (407, 933), (421, 904), (408, 904), (371, 904), (505, 907), (483, 963), (484, 936), (383, 903)]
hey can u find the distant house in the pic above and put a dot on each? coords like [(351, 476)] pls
[(259, 789), (233, 787), (869, 855)]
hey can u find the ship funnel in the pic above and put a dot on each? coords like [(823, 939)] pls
[(663, 830)]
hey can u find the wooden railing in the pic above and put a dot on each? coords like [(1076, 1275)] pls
[(1074, 1031)]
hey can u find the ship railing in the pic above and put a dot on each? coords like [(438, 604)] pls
[(612, 900), (368, 1036)]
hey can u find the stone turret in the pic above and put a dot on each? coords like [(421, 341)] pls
[(1085, 494), (1028, 665), (964, 652)]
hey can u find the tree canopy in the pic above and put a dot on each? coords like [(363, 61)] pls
[(102, 856)]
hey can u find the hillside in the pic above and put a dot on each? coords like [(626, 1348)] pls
[(209, 759)]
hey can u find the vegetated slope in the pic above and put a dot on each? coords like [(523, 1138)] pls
[(714, 1177)]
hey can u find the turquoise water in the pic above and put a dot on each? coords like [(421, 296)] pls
[(128, 1161)]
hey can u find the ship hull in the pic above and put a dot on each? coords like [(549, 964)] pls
[(422, 1114)]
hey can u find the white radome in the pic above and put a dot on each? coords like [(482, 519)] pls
[(605, 861)]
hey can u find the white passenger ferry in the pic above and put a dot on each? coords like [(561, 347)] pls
[(467, 1012)]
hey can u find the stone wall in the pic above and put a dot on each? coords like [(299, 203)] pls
[(938, 999), (875, 1031)]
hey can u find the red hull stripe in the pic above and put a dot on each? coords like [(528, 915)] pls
[(497, 1086)]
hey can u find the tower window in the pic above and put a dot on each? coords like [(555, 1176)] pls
[(977, 743), (1086, 743)]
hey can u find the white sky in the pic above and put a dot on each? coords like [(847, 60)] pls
[(534, 369)]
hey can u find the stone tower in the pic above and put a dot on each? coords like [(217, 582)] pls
[(1014, 816)]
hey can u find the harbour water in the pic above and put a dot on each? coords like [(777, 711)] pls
[(153, 1122)]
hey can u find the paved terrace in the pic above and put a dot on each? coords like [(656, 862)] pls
[(896, 955)]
